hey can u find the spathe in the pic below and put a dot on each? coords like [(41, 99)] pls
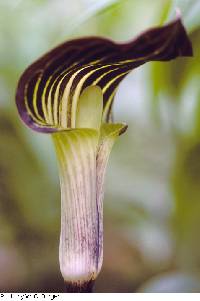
[(48, 91)]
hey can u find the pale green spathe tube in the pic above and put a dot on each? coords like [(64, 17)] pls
[(83, 155), (78, 253)]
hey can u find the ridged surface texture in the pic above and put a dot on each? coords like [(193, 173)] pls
[(83, 157), (49, 90)]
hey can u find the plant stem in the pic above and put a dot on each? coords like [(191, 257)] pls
[(74, 287)]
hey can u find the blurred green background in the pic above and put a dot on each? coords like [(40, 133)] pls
[(152, 199)]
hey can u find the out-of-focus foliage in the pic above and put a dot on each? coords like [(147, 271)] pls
[(152, 201), (190, 10)]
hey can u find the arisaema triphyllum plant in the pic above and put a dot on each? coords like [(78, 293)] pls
[(68, 93)]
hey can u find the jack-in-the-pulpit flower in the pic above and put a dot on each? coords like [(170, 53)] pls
[(69, 93)]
